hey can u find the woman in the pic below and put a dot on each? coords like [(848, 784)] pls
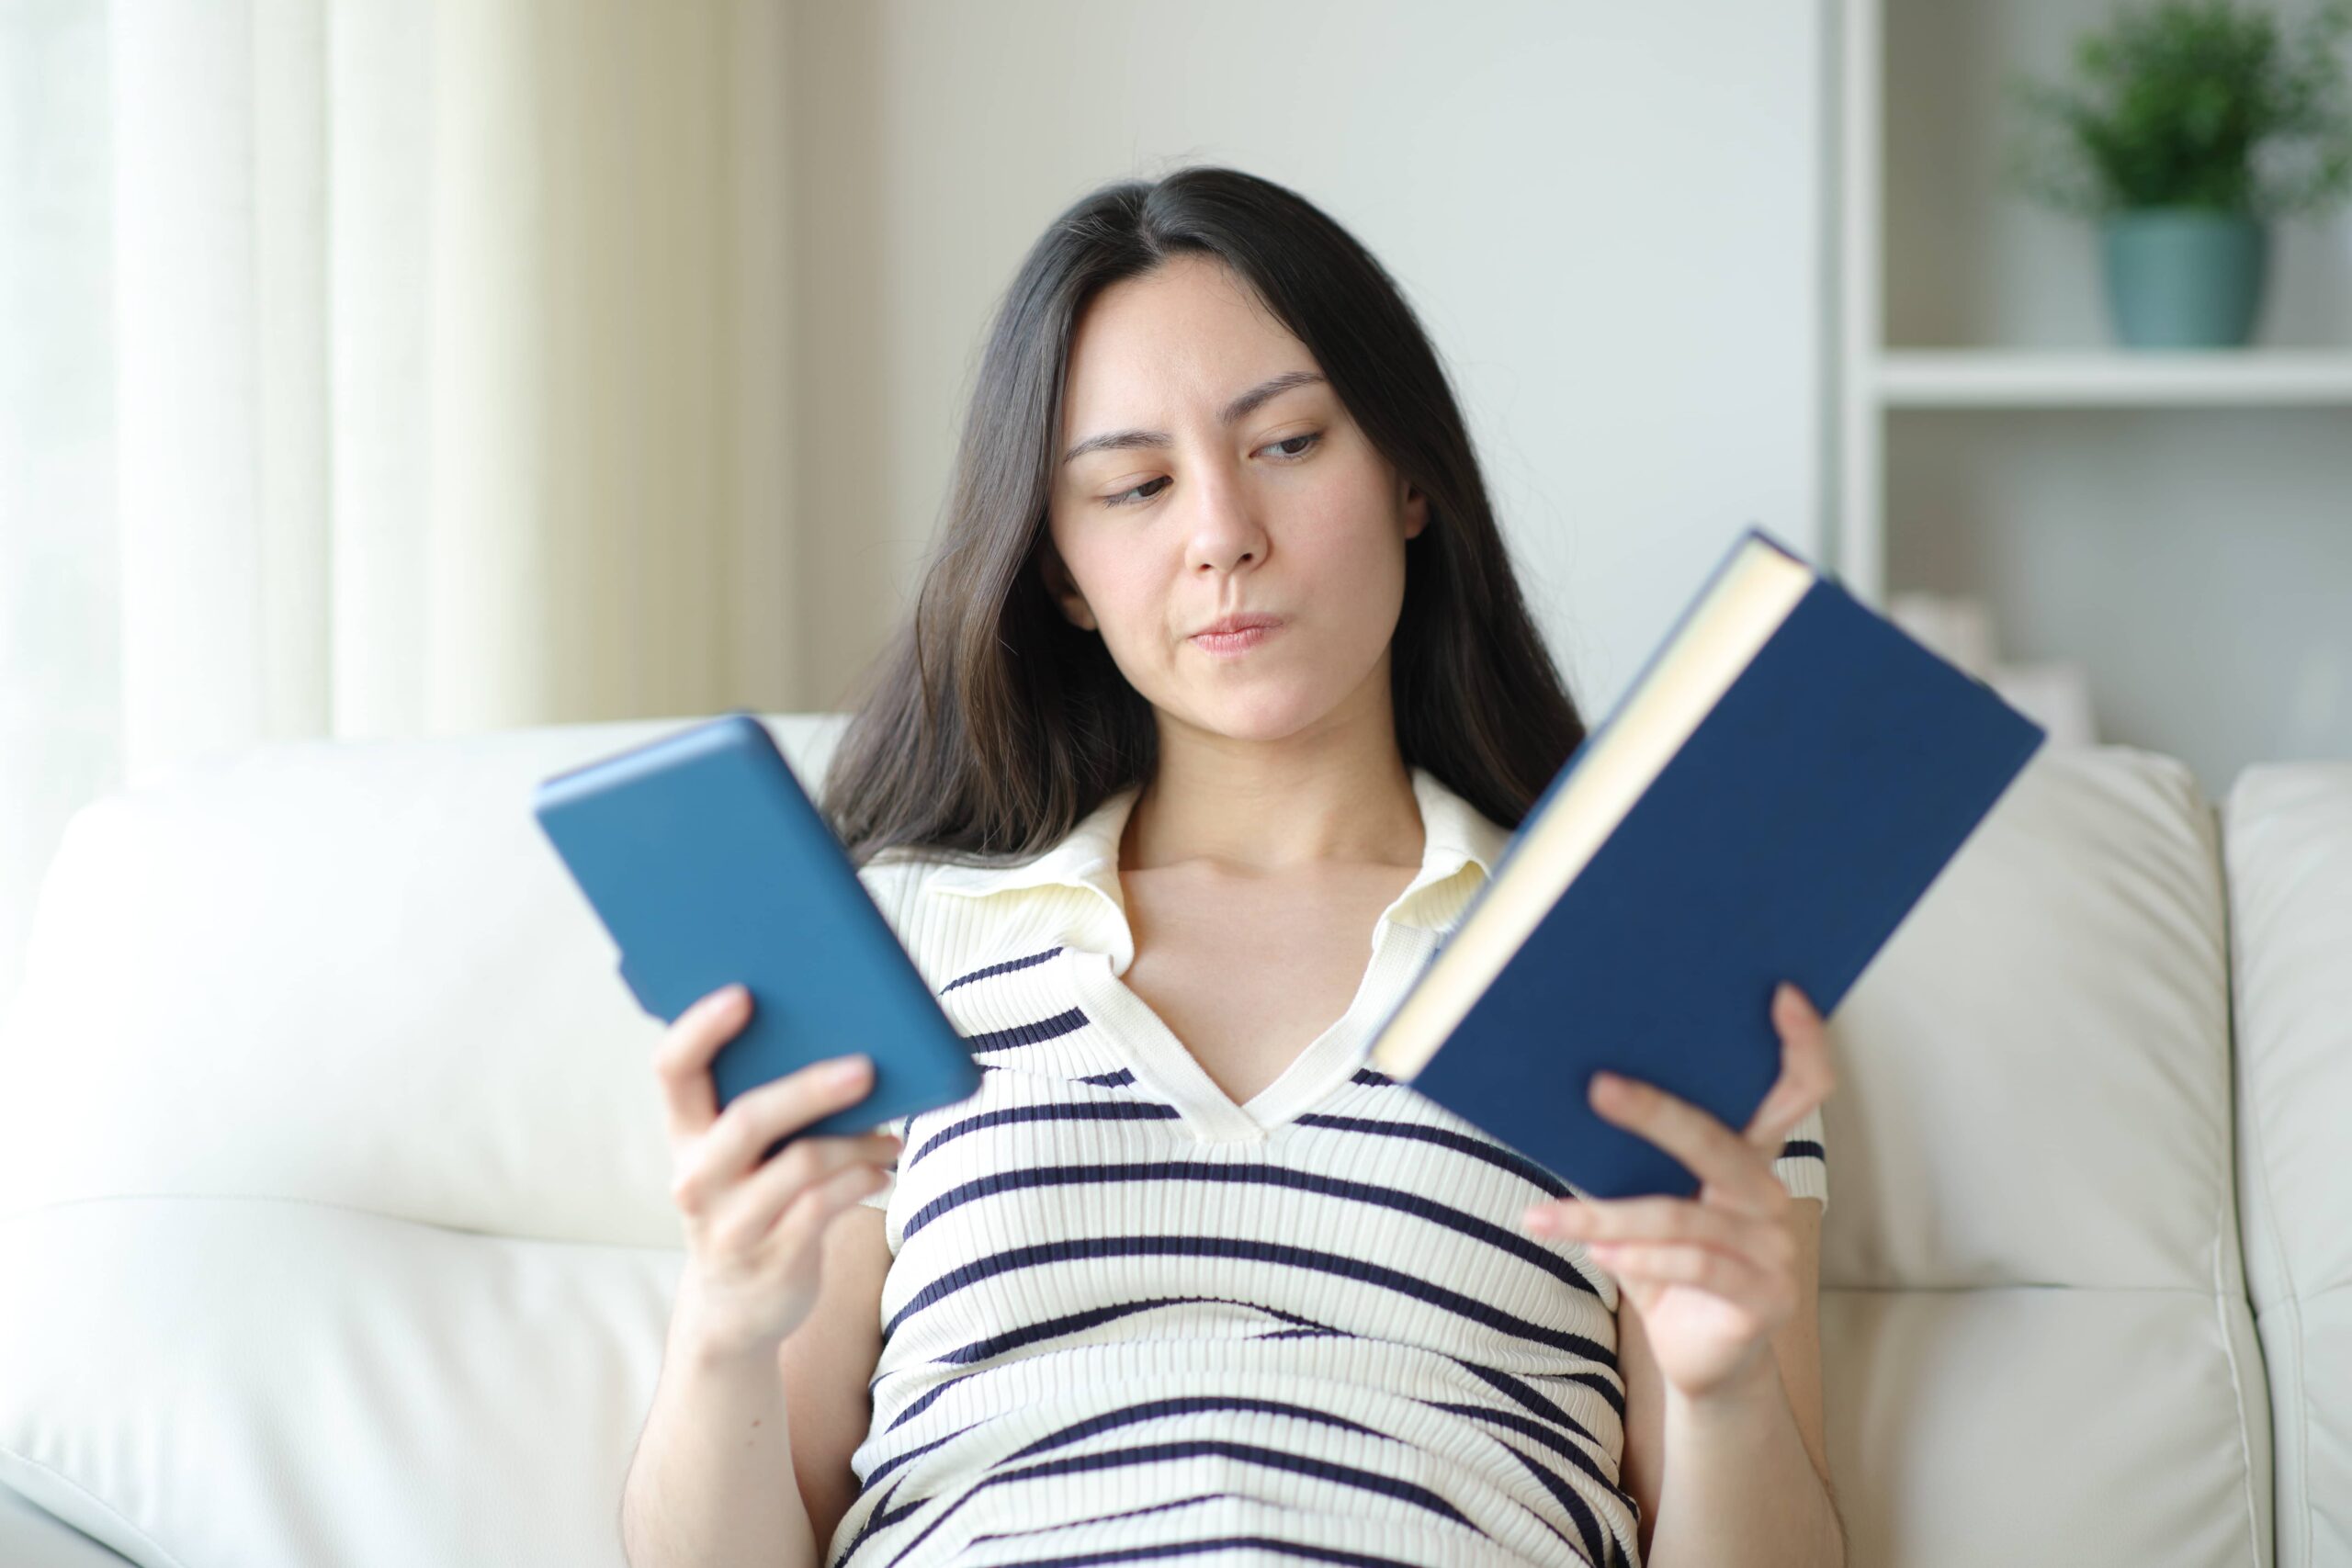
[(1219, 672)]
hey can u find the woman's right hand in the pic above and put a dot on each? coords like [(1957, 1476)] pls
[(754, 1231)]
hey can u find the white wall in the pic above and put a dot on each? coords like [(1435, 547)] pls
[(1608, 215)]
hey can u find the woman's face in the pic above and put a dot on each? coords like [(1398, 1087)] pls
[(1173, 517)]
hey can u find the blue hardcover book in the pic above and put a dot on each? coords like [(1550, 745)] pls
[(1785, 778), (709, 865)]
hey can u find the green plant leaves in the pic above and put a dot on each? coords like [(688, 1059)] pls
[(2192, 103)]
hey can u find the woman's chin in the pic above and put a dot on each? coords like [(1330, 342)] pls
[(1272, 716)]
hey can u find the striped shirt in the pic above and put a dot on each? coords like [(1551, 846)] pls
[(1126, 1317)]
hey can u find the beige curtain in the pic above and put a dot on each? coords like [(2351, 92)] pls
[(395, 367)]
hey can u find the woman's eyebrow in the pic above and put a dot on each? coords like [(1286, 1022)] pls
[(1240, 407)]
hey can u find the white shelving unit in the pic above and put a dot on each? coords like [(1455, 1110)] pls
[(2020, 378), (1991, 441)]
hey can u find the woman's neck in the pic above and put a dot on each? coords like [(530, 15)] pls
[(1266, 807)]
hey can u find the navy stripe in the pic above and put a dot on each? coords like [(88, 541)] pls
[(1263, 1544), (1119, 1416), (1803, 1148), (1007, 968), (1612, 1394), (1372, 1076), (1091, 1248), (1102, 1519), (1052, 1028), (1109, 1080), (951, 1383), (1567, 1497), (1157, 1453), (1094, 1317), (1527, 1427), (1608, 1538), (1371, 1481), (1483, 1149), (872, 1523), (917, 1408), (884, 1517), (1178, 1173), (894, 1460), (1106, 1111)]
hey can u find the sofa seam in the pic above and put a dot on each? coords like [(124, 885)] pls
[(2225, 1200), (16, 1215), (145, 1540), (2237, 1391), (2294, 1326), (2249, 1130)]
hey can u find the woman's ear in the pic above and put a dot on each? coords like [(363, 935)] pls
[(1416, 508), (1060, 583)]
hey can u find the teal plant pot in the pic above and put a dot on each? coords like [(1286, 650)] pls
[(2184, 278)]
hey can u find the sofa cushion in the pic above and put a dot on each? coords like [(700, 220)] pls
[(2290, 850), (239, 1380)]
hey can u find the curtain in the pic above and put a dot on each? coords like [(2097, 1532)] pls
[(381, 367)]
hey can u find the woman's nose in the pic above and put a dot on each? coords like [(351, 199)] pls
[(1225, 526)]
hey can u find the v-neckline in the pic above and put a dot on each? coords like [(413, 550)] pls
[(1168, 1066)]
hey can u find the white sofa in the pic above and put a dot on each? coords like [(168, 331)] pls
[(334, 1230)]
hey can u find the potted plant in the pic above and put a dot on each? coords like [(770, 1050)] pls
[(2194, 127)]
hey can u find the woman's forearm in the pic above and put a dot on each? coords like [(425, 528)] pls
[(1738, 1488), (712, 1482)]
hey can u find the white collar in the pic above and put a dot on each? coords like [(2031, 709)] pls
[(1455, 834)]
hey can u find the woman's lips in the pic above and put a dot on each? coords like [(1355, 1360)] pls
[(1226, 644)]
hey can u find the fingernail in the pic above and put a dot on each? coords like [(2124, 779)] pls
[(848, 1069), (1537, 1219)]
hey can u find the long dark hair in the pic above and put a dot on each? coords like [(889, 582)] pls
[(990, 724)]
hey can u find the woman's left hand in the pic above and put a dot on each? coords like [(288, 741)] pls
[(1713, 1277)]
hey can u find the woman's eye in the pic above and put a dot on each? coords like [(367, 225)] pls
[(1121, 499), (1145, 493)]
